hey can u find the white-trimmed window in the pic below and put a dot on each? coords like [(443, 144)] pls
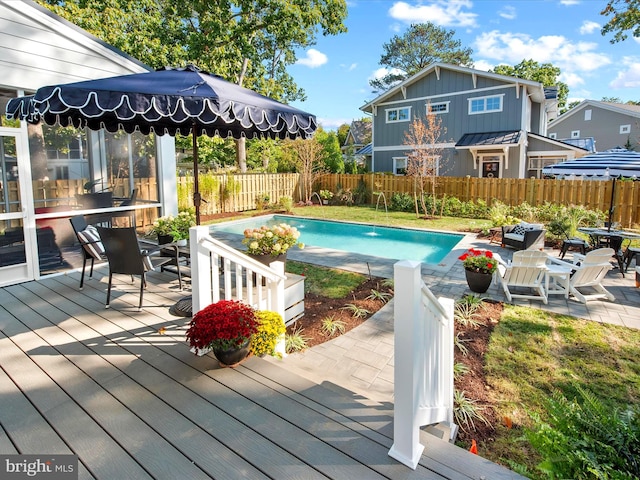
[(402, 114), (440, 107), (624, 129), (485, 104), (399, 165), (587, 115), (537, 163), (575, 134), (553, 135)]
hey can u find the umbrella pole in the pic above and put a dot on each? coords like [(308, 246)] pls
[(611, 206), (196, 190)]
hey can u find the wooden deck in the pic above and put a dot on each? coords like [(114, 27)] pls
[(120, 389)]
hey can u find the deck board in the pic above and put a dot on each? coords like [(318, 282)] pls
[(132, 402)]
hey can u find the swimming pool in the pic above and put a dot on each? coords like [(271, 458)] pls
[(378, 241)]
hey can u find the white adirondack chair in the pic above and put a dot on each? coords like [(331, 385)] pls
[(589, 271), (526, 270)]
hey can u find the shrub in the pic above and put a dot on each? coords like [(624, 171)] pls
[(286, 202), (586, 439), (401, 202)]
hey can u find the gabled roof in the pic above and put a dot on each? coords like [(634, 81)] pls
[(536, 90), (622, 108), (510, 137), (360, 132)]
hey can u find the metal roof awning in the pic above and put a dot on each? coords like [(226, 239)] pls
[(476, 142)]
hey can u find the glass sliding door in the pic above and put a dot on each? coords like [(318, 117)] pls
[(16, 260)]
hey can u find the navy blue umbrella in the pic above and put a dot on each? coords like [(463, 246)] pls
[(166, 101)]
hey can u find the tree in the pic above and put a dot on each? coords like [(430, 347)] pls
[(626, 16), (343, 131), (545, 73), (422, 161), (330, 150), (248, 42), (309, 159), (421, 45)]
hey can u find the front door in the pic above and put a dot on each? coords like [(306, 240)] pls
[(491, 169), (16, 243)]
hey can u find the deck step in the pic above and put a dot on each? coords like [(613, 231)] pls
[(374, 420)]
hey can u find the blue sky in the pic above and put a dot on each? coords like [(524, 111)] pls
[(335, 72)]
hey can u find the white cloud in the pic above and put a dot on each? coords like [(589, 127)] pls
[(511, 48), (441, 12), (629, 78), (333, 123), (483, 65), (571, 79), (568, 3), (508, 12), (382, 71), (351, 67), (313, 59), (588, 27)]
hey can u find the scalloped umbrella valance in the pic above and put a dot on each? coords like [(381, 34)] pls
[(166, 101)]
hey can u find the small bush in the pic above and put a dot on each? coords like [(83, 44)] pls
[(401, 202), (331, 326), (586, 439)]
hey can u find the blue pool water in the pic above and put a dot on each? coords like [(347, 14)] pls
[(387, 242)]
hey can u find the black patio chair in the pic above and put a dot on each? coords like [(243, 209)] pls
[(92, 248), (126, 257), (573, 243)]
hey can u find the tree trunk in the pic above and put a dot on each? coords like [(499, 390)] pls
[(241, 154)]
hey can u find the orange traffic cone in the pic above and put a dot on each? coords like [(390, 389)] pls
[(474, 447)]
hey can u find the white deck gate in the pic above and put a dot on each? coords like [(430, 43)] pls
[(423, 356)]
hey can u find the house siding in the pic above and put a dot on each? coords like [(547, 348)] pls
[(37, 52), (455, 88), (604, 127)]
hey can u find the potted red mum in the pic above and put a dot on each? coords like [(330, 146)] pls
[(479, 266), (226, 327)]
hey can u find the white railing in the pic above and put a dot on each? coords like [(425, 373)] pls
[(423, 362), (222, 272)]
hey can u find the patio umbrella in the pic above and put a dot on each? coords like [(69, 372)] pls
[(612, 164), (166, 101)]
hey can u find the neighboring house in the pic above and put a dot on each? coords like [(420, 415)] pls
[(43, 168), (610, 124), (494, 125), (358, 138)]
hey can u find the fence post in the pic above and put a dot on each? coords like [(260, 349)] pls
[(406, 446)]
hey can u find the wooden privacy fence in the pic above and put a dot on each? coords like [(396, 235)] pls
[(237, 192), (592, 194)]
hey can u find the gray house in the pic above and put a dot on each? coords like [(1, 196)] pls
[(610, 124), (494, 125)]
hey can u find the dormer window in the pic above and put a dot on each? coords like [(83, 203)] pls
[(398, 114)]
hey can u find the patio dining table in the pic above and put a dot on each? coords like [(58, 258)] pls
[(595, 234)]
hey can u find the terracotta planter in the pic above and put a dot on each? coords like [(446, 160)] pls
[(478, 282), (232, 357)]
